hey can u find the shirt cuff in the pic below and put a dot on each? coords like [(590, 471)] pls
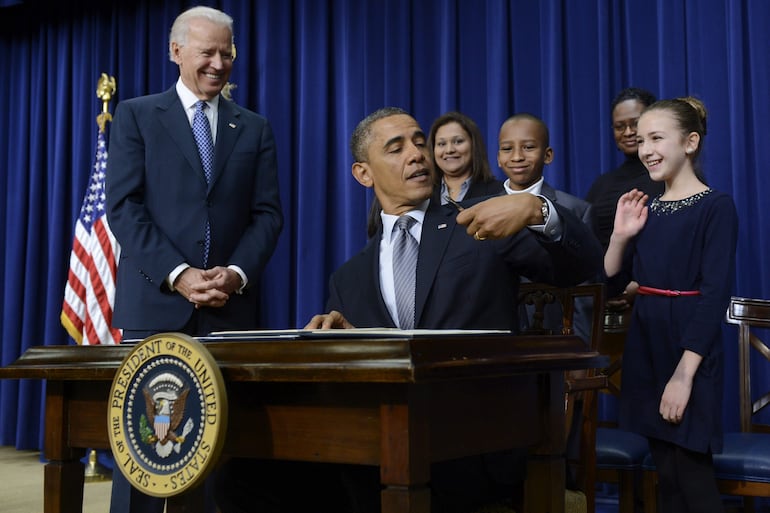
[(173, 275), (244, 280), (552, 229)]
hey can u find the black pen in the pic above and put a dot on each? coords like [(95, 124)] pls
[(453, 202)]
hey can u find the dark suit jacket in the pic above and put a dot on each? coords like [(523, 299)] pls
[(158, 203), (463, 283), (579, 207)]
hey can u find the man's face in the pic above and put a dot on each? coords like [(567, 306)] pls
[(206, 59), (398, 164), (522, 153)]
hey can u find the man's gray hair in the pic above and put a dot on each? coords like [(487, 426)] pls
[(361, 138), (181, 25)]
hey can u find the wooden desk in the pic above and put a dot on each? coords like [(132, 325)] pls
[(399, 403)]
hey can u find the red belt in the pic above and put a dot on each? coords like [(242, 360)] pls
[(651, 291)]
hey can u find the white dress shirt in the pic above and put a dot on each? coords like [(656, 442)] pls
[(189, 100), (387, 286)]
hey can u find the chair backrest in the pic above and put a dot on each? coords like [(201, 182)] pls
[(613, 341), (552, 310), (749, 315), (539, 297)]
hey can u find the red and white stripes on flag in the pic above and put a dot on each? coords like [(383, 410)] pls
[(89, 295)]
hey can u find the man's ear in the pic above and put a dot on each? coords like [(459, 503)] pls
[(548, 155), (175, 49), (363, 174)]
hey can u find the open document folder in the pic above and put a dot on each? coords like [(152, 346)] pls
[(342, 333)]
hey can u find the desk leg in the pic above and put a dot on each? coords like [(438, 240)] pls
[(405, 460), (64, 472), (546, 469)]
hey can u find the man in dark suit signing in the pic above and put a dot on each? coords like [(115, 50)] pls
[(469, 262), (468, 265), (192, 197)]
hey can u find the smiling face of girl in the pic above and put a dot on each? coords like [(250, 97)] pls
[(664, 149)]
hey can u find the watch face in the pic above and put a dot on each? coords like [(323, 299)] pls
[(544, 211)]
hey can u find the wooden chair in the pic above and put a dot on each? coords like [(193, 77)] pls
[(607, 454), (551, 310), (620, 455), (743, 468)]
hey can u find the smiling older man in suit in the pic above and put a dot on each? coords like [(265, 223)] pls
[(163, 204), (192, 197)]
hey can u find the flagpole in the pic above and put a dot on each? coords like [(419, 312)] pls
[(105, 89), (89, 293)]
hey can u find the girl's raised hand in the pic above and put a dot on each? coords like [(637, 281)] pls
[(631, 214)]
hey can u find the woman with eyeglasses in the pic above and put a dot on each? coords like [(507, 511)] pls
[(607, 188)]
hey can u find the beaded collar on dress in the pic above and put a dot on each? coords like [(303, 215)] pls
[(661, 208)]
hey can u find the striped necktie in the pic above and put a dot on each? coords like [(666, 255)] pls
[(404, 266)]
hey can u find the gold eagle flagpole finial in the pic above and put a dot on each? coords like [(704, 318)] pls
[(105, 89), (227, 90)]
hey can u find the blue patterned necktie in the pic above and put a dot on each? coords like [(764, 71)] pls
[(404, 266), (202, 133)]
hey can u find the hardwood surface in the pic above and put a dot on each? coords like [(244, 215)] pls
[(399, 403)]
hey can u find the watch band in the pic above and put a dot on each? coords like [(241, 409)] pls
[(544, 210)]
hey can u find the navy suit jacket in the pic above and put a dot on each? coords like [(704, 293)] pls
[(463, 283), (158, 204)]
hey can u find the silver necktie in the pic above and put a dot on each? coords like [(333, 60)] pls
[(404, 265)]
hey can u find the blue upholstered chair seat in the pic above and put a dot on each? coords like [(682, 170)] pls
[(648, 463), (618, 449), (745, 457)]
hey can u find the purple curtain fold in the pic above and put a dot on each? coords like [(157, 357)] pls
[(315, 69)]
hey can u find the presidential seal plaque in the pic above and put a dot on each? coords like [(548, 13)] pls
[(167, 414)]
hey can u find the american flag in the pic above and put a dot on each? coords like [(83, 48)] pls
[(89, 295)]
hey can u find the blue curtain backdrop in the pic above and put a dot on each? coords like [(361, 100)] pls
[(315, 68)]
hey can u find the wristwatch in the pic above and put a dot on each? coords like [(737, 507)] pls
[(544, 210)]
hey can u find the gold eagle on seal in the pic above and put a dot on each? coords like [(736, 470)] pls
[(164, 402)]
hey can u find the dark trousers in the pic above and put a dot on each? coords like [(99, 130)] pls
[(686, 480), (127, 499)]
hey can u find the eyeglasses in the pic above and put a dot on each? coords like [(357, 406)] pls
[(621, 126)]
